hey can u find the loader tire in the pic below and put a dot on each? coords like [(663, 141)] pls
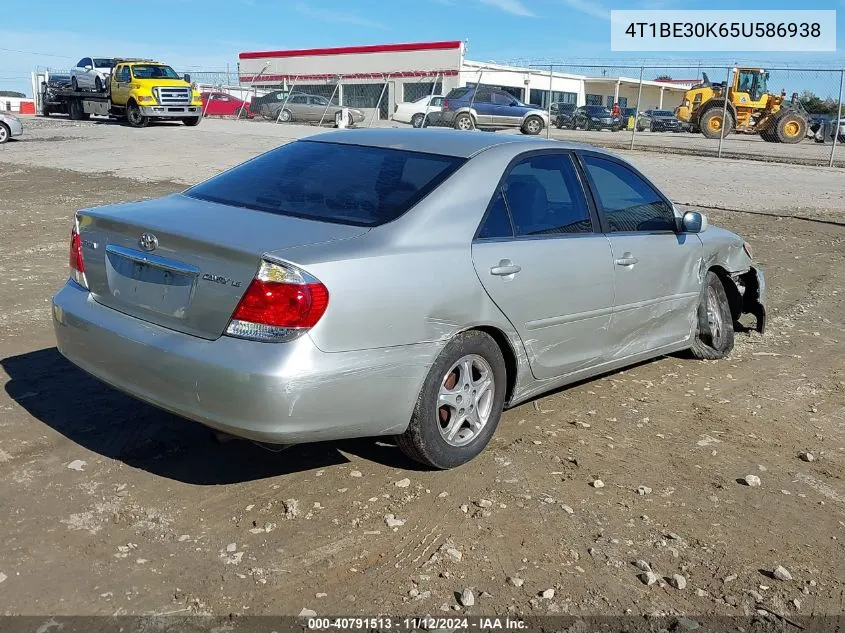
[(790, 128), (711, 123)]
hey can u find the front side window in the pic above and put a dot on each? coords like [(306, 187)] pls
[(320, 101), (628, 201), (545, 197), (331, 182)]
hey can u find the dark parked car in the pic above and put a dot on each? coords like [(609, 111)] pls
[(470, 108), (268, 104), (658, 121), (594, 117), (562, 114)]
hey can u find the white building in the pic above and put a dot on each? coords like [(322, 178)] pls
[(383, 75)]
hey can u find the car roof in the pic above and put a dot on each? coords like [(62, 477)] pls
[(442, 141)]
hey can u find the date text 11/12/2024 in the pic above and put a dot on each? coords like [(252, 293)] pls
[(427, 623)]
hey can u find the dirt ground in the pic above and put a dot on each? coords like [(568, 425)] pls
[(113, 507)]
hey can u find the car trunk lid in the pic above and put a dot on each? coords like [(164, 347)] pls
[(184, 263)]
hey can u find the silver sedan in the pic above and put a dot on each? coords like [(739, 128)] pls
[(407, 283)]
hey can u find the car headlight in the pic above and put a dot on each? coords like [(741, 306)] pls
[(747, 248), (145, 99)]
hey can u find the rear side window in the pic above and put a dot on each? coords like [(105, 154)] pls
[(545, 197), (629, 202), (457, 93), (331, 182)]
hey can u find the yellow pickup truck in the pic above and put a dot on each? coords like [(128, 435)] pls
[(139, 90)]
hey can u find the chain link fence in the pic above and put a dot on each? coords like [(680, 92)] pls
[(649, 107), (803, 128)]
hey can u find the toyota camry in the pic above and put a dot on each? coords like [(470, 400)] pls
[(407, 283)]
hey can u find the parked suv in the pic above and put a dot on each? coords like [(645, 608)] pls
[(562, 114), (488, 108), (594, 117)]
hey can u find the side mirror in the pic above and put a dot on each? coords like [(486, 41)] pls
[(88, 67), (694, 222), (187, 79)]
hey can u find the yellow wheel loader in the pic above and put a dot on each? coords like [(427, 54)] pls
[(751, 109)]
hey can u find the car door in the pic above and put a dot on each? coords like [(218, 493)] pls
[(542, 259), (503, 113), (122, 78), (483, 105), (298, 107), (657, 268)]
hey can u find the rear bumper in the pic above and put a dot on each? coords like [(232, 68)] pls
[(272, 392), (164, 111)]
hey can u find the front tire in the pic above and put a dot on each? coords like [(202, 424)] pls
[(98, 84), (5, 133), (714, 335), (711, 123), (74, 84), (460, 403), (417, 120), (191, 121), (135, 117)]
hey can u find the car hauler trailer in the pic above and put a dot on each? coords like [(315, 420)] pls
[(138, 91)]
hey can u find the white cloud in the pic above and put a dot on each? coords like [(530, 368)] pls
[(338, 17), (514, 7), (589, 8)]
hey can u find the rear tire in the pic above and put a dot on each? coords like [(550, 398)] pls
[(711, 123), (456, 415), (532, 126), (191, 121), (714, 334), (74, 84), (417, 120), (285, 116), (98, 84), (464, 122)]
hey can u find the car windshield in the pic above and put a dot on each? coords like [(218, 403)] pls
[(662, 113), (153, 71), (331, 182), (103, 63)]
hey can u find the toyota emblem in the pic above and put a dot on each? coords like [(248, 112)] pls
[(148, 241)]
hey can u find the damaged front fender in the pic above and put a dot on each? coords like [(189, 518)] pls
[(751, 290)]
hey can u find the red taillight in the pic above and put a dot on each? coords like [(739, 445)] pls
[(286, 305), (445, 105), (76, 262), (77, 266), (279, 305)]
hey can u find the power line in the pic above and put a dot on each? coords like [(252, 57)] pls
[(13, 50)]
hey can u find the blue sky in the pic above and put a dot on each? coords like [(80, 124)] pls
[(208, 34)]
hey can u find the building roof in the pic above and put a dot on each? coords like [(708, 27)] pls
[(352, 50), (438, 141)]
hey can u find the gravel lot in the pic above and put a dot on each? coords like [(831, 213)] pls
[(113, 507)]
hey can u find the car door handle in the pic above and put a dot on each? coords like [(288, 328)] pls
[(626, 260), (506, 267)]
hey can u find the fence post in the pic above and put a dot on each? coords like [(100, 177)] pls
[(472, 99), (252, 86), (430, 97), (287, 96), (725, 96), (380, 97), (637, 111), (329, 104), (548, 105), (838, 117)]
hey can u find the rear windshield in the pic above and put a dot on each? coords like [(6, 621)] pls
[(598, 110), (457, 93), (331, 182)]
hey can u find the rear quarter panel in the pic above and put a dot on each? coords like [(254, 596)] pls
[(411, 280)]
